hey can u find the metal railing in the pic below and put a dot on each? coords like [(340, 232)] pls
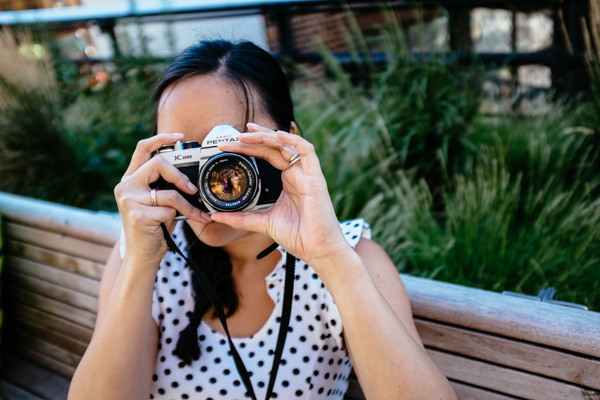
[(565, 57)]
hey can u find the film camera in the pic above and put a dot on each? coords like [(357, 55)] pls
[(225, 181)]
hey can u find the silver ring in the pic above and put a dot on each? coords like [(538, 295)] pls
[(295, 158), (153, 197)]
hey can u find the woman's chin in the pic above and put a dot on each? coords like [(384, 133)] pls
[(216, 234)]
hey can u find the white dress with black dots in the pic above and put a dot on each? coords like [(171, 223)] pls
[(314, 365)]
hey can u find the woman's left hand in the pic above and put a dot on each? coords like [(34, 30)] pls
[(302, 220)]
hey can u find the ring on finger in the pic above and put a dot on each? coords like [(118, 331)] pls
[(295, 158), (153, 197)]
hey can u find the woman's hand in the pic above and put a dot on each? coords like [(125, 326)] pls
[(141, 220), (302, 220)]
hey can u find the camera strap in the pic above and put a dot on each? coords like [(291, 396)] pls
[(288, 291)]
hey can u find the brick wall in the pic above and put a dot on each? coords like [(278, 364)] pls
[(309, 29), (17, 5), (329, 29)]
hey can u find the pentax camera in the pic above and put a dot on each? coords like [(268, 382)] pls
[(225, 181)]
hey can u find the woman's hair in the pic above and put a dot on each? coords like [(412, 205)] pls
[(265, 89), (254, 71)]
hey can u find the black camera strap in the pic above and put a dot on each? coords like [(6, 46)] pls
[(290, 265)]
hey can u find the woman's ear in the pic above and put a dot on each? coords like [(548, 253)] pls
[(293, 128)]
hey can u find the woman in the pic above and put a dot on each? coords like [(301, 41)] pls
[(157, 335)]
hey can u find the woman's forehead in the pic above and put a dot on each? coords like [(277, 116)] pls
[(195, 105)]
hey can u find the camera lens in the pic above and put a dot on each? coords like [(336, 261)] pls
[(228, 182)]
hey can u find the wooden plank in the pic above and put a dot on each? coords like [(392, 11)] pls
[(53, 291), (31, 329), (49, 364), (10, 392), (509, 316), (51, 322), (463, 392), (57, 242), (38, 381), (467, 392), (98, 227), (509, 381), (53, 275), (18, 338), (70, 313), (520, 355), (66, 262), (47, 4)]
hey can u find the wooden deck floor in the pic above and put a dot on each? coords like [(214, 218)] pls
[(17, 374)]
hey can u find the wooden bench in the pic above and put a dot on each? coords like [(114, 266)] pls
[(489, 345)]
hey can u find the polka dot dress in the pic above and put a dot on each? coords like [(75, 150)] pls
[(314, 365)]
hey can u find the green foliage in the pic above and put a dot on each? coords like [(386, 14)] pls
[(106, 121), (36, 157), (592, 44), (510, 202), (503, 203), (405, 114), (67, 134), (522, 217), (496, 232)]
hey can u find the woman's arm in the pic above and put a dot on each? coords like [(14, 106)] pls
[(386, 351), (387, 279), (390, 362), (119, 360)]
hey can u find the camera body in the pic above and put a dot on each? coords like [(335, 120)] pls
[(225, 181)]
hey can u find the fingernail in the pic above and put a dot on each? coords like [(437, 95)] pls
[(192, 187), (252, 125), (205, 216), (177, 135), (283, 132)]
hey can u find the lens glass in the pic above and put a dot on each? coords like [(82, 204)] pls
[(229, 182)]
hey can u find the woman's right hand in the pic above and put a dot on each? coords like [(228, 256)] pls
[(141, 221)]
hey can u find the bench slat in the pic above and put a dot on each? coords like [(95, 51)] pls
[(67, 296), (532, 321), (73, 314), (463, 392), (556, 364), (505, 380), (54, 241), (31, 329), (53, 275), (38, 381), (55, 259), (75, 222), (10, 392), (469, 332), (47, 363), (18, 338), (56, 324), (467, 392)]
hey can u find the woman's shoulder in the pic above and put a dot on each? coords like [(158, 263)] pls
[(354, 230)]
